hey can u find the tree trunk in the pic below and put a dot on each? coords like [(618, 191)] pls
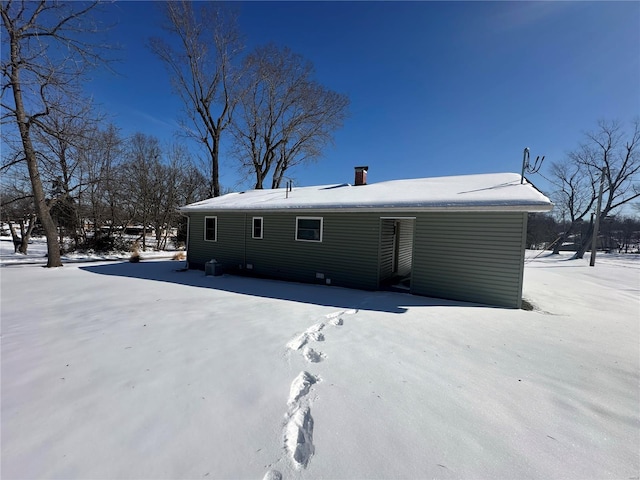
[(259, 180), (50, 230), (42, 209), (275, 183), (565, 235), (26, 235), (556, 247), (21, 243), (24, 245), (215, 167), (17, 241), (586, 242)]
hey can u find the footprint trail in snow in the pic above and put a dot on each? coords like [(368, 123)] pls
[(311, 355), (298, 428), (298, 434), (311, 333), (300, 387)]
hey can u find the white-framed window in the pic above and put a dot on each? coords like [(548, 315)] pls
[(309, 229), (256, 227), (211, 229)]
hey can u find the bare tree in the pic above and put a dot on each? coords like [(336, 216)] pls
[(16, 195), (541, 230), (608, 154), (284, 118), (101, 158), (192, 188), (42, 65), (16, 207), (192, 185), (143, 155), (575, 196), (166, 178), (60, 140), (201, 70), (616, 155)]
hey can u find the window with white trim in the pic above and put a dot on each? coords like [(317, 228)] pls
[(256, 228), (211, 229), (309, 229)]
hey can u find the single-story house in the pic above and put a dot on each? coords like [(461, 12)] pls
[(459, 237)]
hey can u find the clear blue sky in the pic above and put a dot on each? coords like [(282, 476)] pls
[(436, 88)]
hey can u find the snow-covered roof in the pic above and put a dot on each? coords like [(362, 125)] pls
[(486, 192)]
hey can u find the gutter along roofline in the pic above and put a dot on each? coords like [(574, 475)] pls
[(528, 208)]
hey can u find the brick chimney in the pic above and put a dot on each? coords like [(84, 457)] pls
[(361, 175)]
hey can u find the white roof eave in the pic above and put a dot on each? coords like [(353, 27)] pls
[(468, 193), (529, 208)]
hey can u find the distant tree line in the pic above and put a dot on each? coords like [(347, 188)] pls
[(100, 185), (619, 233), (77, 178)]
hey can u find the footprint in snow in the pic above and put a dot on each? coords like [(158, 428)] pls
[(315, 328), (312, 355), (336, 321), (301, 386), (335, 318), (272, 475), (298, 437), (311, 333)]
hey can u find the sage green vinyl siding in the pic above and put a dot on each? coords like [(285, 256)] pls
[(476, 257), (228, 247), (347, 255)]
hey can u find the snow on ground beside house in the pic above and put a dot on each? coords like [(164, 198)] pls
[(114, 370), (37, 254)]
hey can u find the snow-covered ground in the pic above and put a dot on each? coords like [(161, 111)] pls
[(114, 370), (37, 254)]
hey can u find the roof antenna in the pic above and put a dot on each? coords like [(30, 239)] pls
[(528, 167)]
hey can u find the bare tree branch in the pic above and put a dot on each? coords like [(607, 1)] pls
[(44, 62), (285, 118), (609, 150), (201, 70)]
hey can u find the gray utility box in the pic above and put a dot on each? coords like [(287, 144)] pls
[(213, 268)]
